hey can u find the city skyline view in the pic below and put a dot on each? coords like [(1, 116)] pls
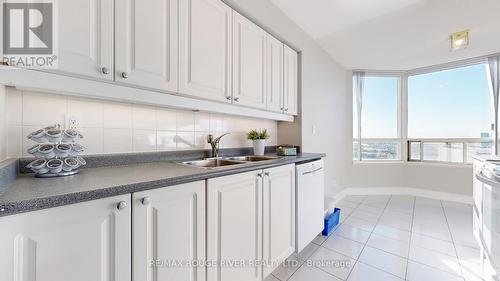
[(448, 104)]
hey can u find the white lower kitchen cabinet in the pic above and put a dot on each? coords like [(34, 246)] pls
[(169, 233), (250, 223), (234, 227), (237, 227), (278, 216), (80, 242)]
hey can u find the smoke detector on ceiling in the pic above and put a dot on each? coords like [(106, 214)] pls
[(459, 40)]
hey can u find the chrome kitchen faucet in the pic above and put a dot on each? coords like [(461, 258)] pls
[(215, 144)]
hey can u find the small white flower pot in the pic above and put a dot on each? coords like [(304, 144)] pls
[(259, 147)]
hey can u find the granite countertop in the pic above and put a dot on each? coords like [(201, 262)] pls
[(27, 193)]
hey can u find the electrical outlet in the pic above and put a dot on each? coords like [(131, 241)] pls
[(72, 123)]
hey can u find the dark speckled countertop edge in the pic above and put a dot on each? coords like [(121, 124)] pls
[(33, 204)]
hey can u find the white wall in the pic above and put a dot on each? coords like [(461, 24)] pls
[(113, 127), (324, 91), (429, 176)]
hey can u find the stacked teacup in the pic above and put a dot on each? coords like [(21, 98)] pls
[(57, 153)]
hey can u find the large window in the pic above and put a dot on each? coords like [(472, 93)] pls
[(450, 115), (379, 126), (444, 115)]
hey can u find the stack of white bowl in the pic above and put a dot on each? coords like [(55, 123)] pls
[(57, 152)]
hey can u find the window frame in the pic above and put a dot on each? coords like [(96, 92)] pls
[(404, 151), (400, 78)]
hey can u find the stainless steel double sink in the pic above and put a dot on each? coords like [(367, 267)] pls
[(227, 161)]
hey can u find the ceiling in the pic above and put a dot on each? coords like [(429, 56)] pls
[(396, 34)]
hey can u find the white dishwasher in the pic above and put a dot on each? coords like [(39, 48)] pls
[(310, 193)]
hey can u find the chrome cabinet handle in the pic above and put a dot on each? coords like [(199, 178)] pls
[(105, 70), (236, 99), (286, 109), (122, 205), (259, 175), (228, 98), (266, 174), (124, 75), (145, 201), (282, 108)]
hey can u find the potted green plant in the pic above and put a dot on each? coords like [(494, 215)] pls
[(259, 140)]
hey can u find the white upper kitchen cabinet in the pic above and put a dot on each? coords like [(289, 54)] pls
[(234, 226), (290, 80), (146, 43), (274, 74), (169, 227), (80, 242), (205, 44), (279, 216), (249, 63), (85, 38)]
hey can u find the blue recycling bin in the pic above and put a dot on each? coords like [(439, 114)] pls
[(331, 221)]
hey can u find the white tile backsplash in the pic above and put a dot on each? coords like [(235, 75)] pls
[(185, 121), (113, 127), (144, 140), (14, 110), (117, 115), (166, 140), (202, 122), (185, 140), (14, 141), (43, 110), (117, 140), (166, 119), (143, 117), (93, 140), (88, 113), (26, 143), (217, 123), (3, 124), (200, 140)]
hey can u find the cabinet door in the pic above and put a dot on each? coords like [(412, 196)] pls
[(80, 242), (146, 43), (274, 74), (279, 216), (85, 36), (291, 80), (205, 39), (249, 63), (234, 226), (168, 232)]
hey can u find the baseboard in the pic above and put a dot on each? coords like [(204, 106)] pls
[(453, 197)]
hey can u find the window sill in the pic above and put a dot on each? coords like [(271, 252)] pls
[(368, 162), (413, 163), (440, 164)]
